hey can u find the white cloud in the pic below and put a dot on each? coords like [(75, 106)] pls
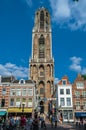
[(76, 60), (28, 2), (76, 65), (11, 69), (56, 80), (84, 71), (69, 13), (60, 9)]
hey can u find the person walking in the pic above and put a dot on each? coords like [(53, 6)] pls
[(36, 123)]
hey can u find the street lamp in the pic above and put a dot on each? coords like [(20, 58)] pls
[(22, 107)]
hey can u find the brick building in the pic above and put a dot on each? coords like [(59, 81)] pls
[(17, 96), (79, 97)]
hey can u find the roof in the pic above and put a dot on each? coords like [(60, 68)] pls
[(64, 78), (7, 78)]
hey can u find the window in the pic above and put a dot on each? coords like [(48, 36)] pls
[(62, 102), (41, 73), (64, 82), (41, 90), (80, 85), (24, 101), (78, 105), (84, 94), (11, 102), (70, 114), (42, 19), (77, 94), (12, 92), (67, 91), (18, 102), (41, 47), (30, 91), (84, 105), (2, 102), (22, 81), (61, 91), (30, 103), (68, 101), (65, 114), (3, 91), (18, 92), (24, 92)]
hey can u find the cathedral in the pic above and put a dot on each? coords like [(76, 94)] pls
[(42, 62)]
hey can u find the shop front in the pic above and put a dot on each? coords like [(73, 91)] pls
[(3, 113), (67, 115), (80, 114), (20, 111)]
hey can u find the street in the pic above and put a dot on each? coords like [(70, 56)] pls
[(64, 126)]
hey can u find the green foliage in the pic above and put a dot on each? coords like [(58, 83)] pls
[(76, 0), (84, 76)]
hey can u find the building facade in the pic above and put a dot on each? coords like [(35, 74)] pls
[(17, 97), (42, 62), (79, 97), (64, 99)]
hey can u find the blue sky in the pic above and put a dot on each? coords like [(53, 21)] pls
[(68, 20)]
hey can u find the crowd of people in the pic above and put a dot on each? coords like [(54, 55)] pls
[(24, 122)]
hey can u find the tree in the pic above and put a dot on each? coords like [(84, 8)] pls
[(76, 0)]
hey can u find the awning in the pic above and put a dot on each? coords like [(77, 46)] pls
[(19, 110), (82, 114), (2, 113)]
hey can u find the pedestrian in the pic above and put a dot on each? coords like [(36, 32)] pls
[(23, 122), (36, 123), (55, 118), (43, 124)]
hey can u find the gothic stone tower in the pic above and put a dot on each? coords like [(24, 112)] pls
[(42, 63)]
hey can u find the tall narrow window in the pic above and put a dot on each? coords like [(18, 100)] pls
[(2, 102), (11, 102), (41, 47), (3, 91), (68, 101), (62, 101), (42, 19)]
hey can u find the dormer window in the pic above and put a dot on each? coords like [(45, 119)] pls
[(22, 81), (64, 82)]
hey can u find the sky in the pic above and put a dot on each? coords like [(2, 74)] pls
[(68, 22)]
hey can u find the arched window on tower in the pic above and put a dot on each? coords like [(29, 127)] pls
[(41, 71), (41, 47), (41, 19)]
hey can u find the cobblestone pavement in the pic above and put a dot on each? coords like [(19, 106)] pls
[(64, 126)]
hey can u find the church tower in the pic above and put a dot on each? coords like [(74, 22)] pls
[(42, 62)]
